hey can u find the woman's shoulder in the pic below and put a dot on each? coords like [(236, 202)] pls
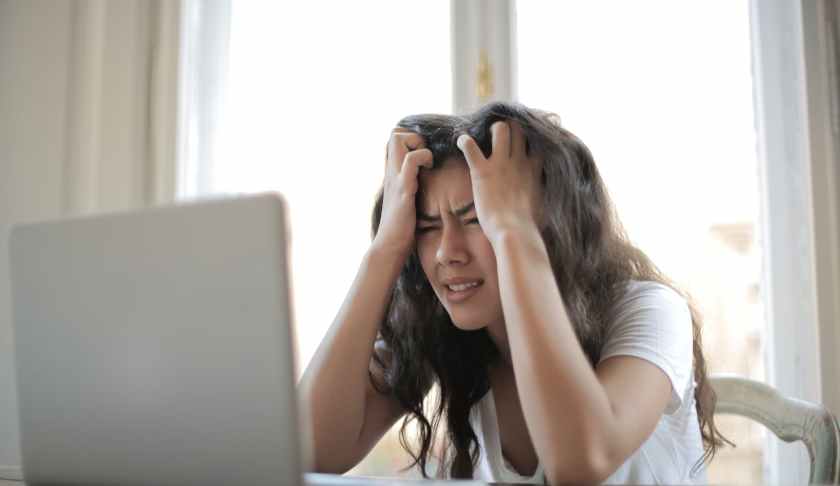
[(649, 308), (654, 322), (650, 289)]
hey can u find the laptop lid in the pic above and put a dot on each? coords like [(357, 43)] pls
[(155, 347)]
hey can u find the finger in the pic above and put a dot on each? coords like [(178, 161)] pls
[(500, 135), (471, 151), (412, 138), (517, 140), (400, 143), (413, 161)]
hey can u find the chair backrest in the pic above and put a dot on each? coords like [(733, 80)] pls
[(789, 418)]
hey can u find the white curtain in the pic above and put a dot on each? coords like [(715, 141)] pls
[(88, 116), (121, 99), (206, 31)]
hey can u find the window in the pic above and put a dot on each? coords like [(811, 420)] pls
[(667, 110), (305, 107), (309, 103), (662, 92)]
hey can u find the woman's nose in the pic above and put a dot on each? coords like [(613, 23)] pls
[(452, 249)]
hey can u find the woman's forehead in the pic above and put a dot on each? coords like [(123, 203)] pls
[(446, 185)]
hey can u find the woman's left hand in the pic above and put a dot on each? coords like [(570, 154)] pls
[(506, 186)]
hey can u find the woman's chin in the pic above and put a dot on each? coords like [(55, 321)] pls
[(467, 324)]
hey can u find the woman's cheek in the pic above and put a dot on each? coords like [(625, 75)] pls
[(425, 258)]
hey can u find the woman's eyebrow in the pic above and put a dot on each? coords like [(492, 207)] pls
[(458, 212)]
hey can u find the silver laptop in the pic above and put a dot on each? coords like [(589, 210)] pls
[(154, 347)]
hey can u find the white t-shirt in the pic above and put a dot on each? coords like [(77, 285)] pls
[(654, 324)]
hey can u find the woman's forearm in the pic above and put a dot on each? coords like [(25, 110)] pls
[(334, 383), (565, 407)]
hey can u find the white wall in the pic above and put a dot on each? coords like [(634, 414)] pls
[(822, 68)]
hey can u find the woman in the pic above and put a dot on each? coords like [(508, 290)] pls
[(499, 270)]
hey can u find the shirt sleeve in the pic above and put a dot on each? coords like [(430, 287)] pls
[(654, 323)]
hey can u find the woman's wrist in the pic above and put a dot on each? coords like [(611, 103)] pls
[(523, 235), (386, 257)]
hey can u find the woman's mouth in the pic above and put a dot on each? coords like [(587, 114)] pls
[(460, 292)]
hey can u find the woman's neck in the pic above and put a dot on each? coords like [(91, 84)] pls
[(498, 334)]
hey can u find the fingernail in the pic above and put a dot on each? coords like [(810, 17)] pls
[(460, 142)]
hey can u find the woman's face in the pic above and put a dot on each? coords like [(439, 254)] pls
[(456, 256)]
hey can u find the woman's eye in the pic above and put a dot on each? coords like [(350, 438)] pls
[(472, 221), (426, 229)]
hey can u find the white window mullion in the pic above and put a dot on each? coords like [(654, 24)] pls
[(483, 53)]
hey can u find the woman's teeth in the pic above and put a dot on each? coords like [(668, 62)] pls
[(462, 287)]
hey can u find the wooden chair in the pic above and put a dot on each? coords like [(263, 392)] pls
[(790, 419)]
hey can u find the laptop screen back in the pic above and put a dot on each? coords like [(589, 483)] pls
[(155, 347)]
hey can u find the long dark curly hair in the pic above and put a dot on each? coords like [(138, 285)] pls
[(592, 260)]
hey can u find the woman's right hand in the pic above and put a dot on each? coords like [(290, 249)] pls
[(405, 154)]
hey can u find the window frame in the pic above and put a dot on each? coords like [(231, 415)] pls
[(797, 143), (795, 66)]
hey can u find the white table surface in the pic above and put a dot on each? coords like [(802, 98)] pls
[(329, 480)]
